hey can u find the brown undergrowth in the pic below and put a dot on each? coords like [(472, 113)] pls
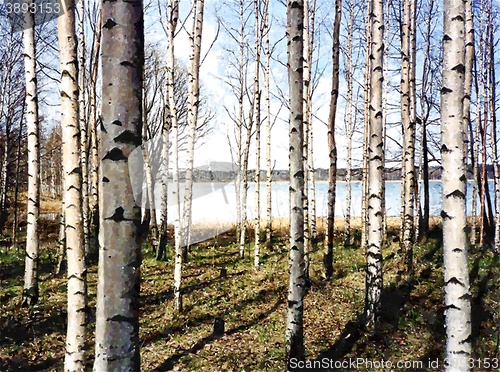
[(252, 304)]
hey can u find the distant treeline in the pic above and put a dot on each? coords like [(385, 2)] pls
[(391, 174)]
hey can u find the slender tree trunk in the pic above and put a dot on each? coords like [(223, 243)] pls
[(15, 228), (61, 252), (94, 149), (244, 191), (456, 274), (305, 149), (349, 127), (267, 102), (173, 16), (310, 180), (193, 104), (294, 321), (332, 146), (408, 122), (494, 134), (117, 346), (240, 176), (469, 61), (256, 98), (30, 292), (423, 169), (165, 158), (83, 126), (73, 220), (385, 87), (366, 118), (150, 206), (374, 283)]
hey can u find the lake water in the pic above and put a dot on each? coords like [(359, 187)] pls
[(217, 202)]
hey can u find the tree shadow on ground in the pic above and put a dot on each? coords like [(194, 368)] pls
[(393, 300), (169, 364)]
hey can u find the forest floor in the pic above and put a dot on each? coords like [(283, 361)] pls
[(252, 303)]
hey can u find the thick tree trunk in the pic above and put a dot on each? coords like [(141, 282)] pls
[(456, 274), (294, 321), (374, 283), (72, 150), (117, 346), (30, 292)]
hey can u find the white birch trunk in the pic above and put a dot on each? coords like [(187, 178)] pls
[(295, 312), (374, 283), (456, 274), (30, 291), (193, 104), (73, 222), (117, 345)]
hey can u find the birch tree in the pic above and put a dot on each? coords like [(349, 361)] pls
[(73, 221), (193, 105), (456, 274), (117, 316), (257, 108), (374, 282), (332, 146), (30, 292), (408, 123), (267, 104), (349, 125), (83, 125), (94, 139), (295, 313)]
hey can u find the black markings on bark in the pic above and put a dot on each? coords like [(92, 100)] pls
[(456, 194), (460, 68), (445, 149), (109, 24), (454, 280), (445, 215), (128, 137), (115, 154), (118, 216)]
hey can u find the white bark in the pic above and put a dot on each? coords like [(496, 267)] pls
[(374, 283), (72, 150), (295, 313), (117, 346), (456, 274), (30, 292)]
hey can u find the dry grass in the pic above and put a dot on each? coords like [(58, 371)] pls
[(252, 303)]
